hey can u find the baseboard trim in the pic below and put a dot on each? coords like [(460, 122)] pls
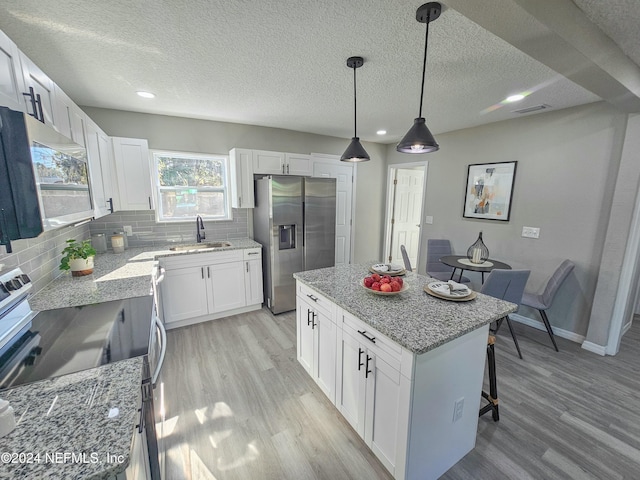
[(559, 332), (595, 348), (214, 316)]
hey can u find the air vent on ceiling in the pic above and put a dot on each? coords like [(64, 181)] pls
[(535, 108)]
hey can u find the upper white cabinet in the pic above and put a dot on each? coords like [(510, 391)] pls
[(278, 163), (131, 157), (11, 80), (242, 178), (100, 168), (42, 85), (298, 164)]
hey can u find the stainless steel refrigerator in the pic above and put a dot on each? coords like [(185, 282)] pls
[(295, 221)]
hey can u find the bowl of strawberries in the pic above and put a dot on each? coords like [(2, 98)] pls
[(384, 284)]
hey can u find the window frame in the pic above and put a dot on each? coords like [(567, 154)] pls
[(225, 189)]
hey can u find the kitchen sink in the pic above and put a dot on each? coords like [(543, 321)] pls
[(200, 246)]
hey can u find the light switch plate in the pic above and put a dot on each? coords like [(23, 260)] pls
[(428, 220), (531, 232), (127, 230)]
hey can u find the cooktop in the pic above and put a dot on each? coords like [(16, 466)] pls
[(68, 340)]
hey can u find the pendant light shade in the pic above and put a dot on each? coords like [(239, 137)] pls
[(355, 152), (419, 139)]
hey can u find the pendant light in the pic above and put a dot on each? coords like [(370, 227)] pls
[(355, 152), (419, 139)]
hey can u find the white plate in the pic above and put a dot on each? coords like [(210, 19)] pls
[(380, 267), (457, 294)]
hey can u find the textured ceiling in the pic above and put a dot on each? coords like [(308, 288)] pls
[(281, 63)]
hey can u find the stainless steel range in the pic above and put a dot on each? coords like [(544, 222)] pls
[(40, 345)]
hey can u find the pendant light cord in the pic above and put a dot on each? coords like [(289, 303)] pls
[(355, 109), (424, 62)]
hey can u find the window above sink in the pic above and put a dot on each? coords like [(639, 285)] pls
[(191, 184)]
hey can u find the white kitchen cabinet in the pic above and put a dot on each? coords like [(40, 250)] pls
[(298, 164), (369, 389), (227, 286), (131, 158), (62, 111), (242, 195), (209, 285), (184, 293), (316, 342), (100, 168), (11, 79), (269, 163), (278, 163), (254, 292), (107, 164), (42, 85)]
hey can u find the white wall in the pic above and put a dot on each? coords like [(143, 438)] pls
[(567, 167), (202, 136)]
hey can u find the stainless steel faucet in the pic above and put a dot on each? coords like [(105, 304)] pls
[(199, 229)]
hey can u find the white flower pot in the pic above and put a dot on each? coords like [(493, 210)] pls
[(81, 266)]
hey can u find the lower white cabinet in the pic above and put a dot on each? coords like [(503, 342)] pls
[(368, 388), (316, 343), (210, 285), (254, 292)]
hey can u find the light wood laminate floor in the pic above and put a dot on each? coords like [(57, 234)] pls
[(239, 406)]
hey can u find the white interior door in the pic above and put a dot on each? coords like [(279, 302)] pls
[(407, 213), (344, 191)]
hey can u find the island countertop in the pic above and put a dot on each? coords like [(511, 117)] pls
[(115, 276), (414, 319)]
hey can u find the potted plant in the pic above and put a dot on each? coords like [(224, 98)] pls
[(78, 257)]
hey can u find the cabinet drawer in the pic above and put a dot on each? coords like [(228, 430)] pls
[(251, 253), (317, 300), (383, 346)]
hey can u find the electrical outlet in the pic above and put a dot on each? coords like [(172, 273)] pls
[(531, 232), (458, 409), (127, 230), (428, 220)]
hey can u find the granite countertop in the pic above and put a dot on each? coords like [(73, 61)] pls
[(115, 276), (414, 319), (78, 425)]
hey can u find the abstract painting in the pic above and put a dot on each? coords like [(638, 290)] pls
[(489, 190)]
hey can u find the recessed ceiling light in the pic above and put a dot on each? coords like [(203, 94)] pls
[(381, 132), (514, 98), (146, 94)]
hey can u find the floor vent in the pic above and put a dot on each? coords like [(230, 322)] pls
[(535, 108)]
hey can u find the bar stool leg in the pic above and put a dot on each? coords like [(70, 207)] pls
[(492, 396)]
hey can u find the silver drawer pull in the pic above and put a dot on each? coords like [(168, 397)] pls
[(253, 253), (315, 299)]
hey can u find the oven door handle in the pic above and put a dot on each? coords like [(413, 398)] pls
[(161, 277), (163, 349)]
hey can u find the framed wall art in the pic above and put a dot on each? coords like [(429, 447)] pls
[(489, 190)]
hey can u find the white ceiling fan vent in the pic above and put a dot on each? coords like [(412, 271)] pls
[(535, 108)]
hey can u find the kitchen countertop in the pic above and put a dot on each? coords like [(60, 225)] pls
[(78, 425), (115, 276), (414, 319)]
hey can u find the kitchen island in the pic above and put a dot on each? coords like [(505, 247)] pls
[(405, 371)]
